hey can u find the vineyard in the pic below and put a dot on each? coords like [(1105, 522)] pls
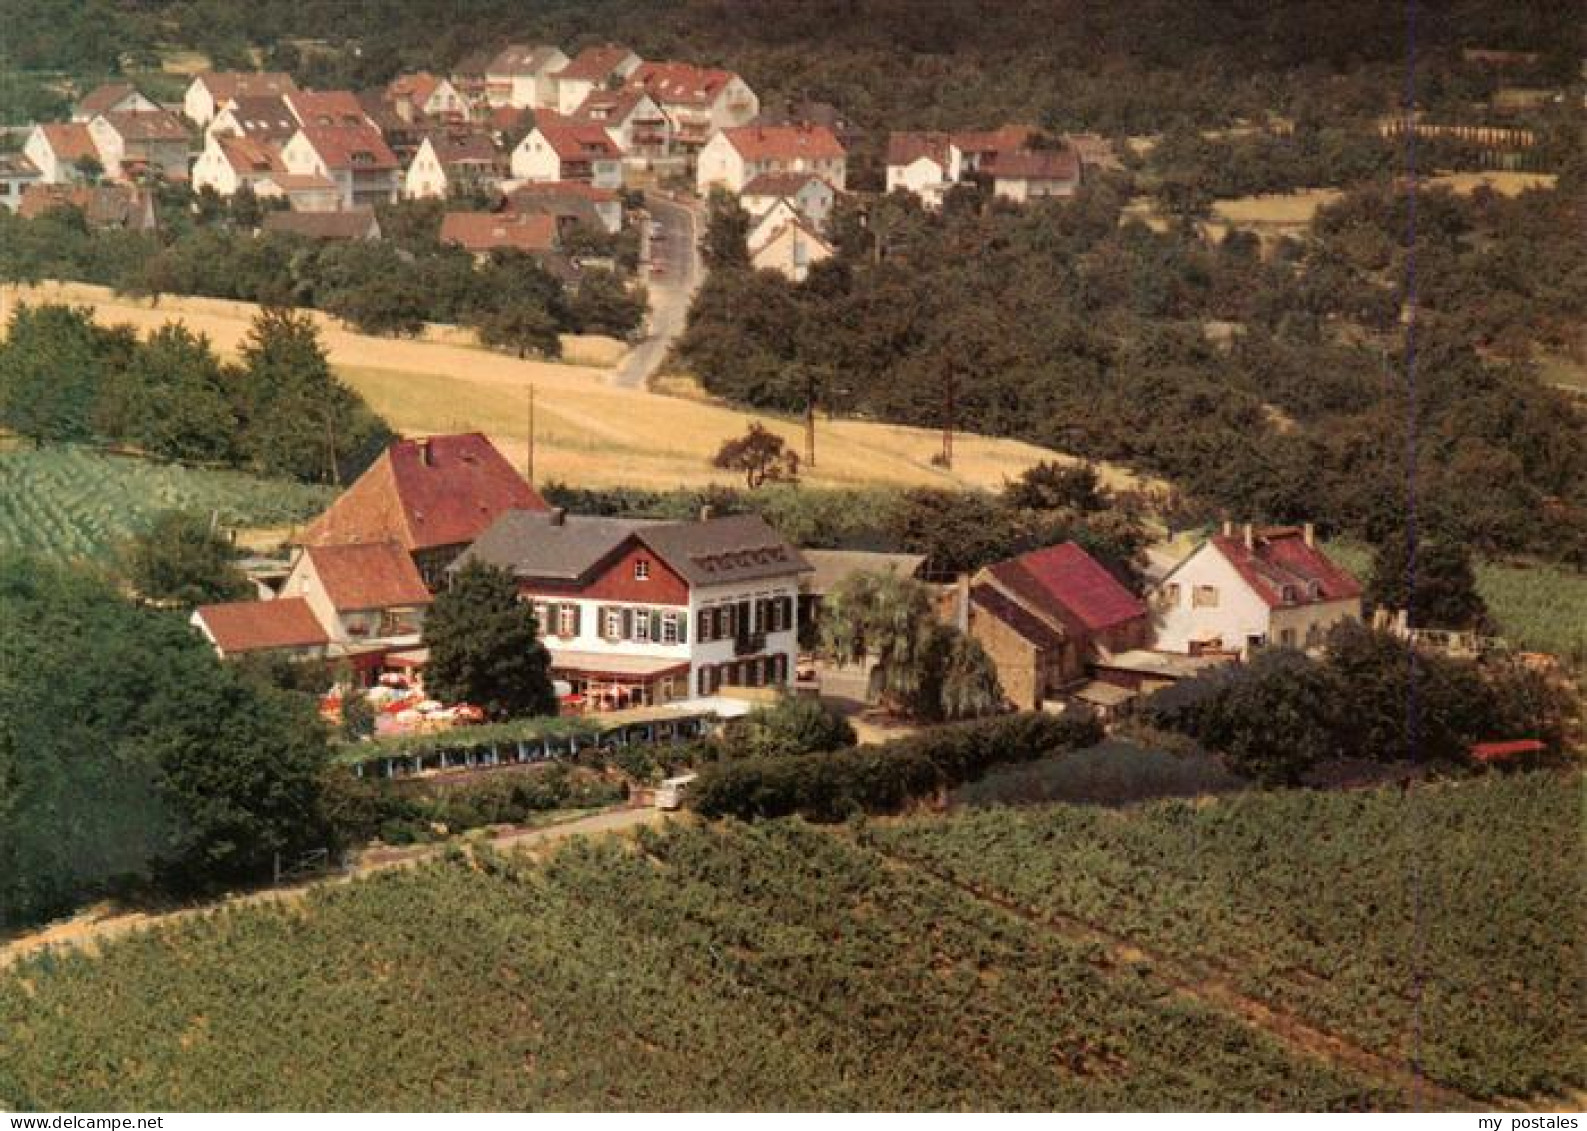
[(703, 967), (1344, 908), (75, 502)]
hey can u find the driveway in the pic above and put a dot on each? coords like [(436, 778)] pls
[(677, 252)]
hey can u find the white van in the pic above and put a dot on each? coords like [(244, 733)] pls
[(670, 793)]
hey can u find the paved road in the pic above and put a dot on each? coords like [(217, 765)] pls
[(678, 254), (86, 931)]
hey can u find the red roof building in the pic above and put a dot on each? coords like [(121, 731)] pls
[(1046, 617), (484, 232), (327, 108), (432, 496), (786, 144), (239, 627)]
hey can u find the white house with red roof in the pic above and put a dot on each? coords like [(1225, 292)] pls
[(735, 157), (361, 592), (636, 611), (1046, 617), (809, 195), (1240, 591), (790, 248), (228, 162), (132, 141), (484, 232), (592, 69), (58, 151), (262, 118), (211, 90), (110, 96), (365, 170), (421, 95), (699, 100), (637, 125), (523, 75), (448, 162), (562, 150)]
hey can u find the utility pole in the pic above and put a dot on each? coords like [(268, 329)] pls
[(529, 460), (810, 416)]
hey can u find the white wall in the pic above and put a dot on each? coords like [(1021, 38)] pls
[(535, 160), (212, 170), (425, 176), (1240, 612), (785, 643), (197, 104), (719, 164)]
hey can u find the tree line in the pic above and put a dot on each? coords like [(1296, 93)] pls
[(1055, 323), (386, 286), (278, 411)]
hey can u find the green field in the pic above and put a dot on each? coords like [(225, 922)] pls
[(786, 966), (1538, 607), (1449, 910), (74, 502)]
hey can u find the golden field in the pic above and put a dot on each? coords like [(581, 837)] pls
[(587, 432)]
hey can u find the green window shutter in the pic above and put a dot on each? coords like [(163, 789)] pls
[(683, 628), (578, 618), (705, 625), (655, 625), (628, 624)]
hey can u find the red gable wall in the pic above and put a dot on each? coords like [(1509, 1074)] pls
[(615, 582)]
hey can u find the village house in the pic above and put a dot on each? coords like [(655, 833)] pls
[(133, 142), (639, 612), (791, 249), (808, 195), (699, 101), (432, 496), (419, 96), (923, 163), (1240, 591), (302, 192), (638, 127), (261, 118), (229, 161), (1047, 617), (566, 151), (484, 232), (327, 109), (450, 163), (348, 224), (361, 594), (592, 69), (111, 97), (209, 91), (285, 627), (523, 76), (62, 152), (103, 207), (356, 158), (735, 157), (1028, 174), (811, 112), (571, 203), (17, 174)]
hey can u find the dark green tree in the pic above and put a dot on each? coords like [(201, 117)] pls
[(792, 725), (761, 455), (53, 364), (725, 246), (524, 328), (1049, 486), (485, 648), (181, 559), (1442, 593)]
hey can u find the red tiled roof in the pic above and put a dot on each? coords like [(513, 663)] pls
[(147, 125), (351, 147), (1002, 139), (1280, 557), (778, 184), (681, 84), (608, 106), (353, 224), (905, 148), (105, 97), (249, 155), (564, 188), (327, 108), (236, 84), (268, 118), (70, 141), (595, 63), (253, 626), (102, 206), (1068, 583), (577, 141), (520, 59), (1034, 164), (483, 231), (379, 575), (438, 491), (760, 143), (462, 148), (416, 87)]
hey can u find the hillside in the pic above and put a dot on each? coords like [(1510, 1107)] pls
[(936, 963), (588, 432)]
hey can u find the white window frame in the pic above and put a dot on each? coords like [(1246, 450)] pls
[(567, 620), (642, 569), (642, 625), (669, 628), (612, 623)]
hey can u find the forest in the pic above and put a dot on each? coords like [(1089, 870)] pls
[(1268, 385)]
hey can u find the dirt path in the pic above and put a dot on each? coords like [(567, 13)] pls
[(87, 931), (1217, 993)]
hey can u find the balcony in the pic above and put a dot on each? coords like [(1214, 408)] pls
[(749, 643)]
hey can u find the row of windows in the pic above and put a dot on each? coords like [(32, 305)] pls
[(746, 617), (756, 671), (1206, 596), (565, 619)]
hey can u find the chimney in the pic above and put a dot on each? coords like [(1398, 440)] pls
[(1309, 532), (424, 450), (559, 516), (1249, 535), (707, 512)]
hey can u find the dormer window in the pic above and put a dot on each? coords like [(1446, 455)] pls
[(1289, 594), (641, 570)]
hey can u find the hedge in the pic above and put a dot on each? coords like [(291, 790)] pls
[(882, 779)]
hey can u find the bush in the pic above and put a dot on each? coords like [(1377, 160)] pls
[(792, 725), (883, 779)]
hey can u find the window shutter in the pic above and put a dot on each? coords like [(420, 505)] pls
[(655, 625), (705, 625), (683, 628), (790, 614), (628, 624), (578, 616)]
